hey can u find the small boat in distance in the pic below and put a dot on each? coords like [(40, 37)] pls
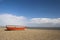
[(10, 27)]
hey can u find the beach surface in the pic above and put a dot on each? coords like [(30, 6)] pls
[(30, 34)]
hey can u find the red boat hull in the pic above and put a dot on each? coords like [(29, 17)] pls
[(14, 28)]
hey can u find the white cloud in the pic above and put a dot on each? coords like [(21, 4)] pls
[(45, 22), (9, 19)]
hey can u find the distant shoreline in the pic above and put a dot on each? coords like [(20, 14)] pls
[(49, 28), (44, 28)]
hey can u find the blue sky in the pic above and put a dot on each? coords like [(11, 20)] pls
[(31, 8), (30, 12)]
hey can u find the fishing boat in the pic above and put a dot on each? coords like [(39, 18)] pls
[(15, 28)]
